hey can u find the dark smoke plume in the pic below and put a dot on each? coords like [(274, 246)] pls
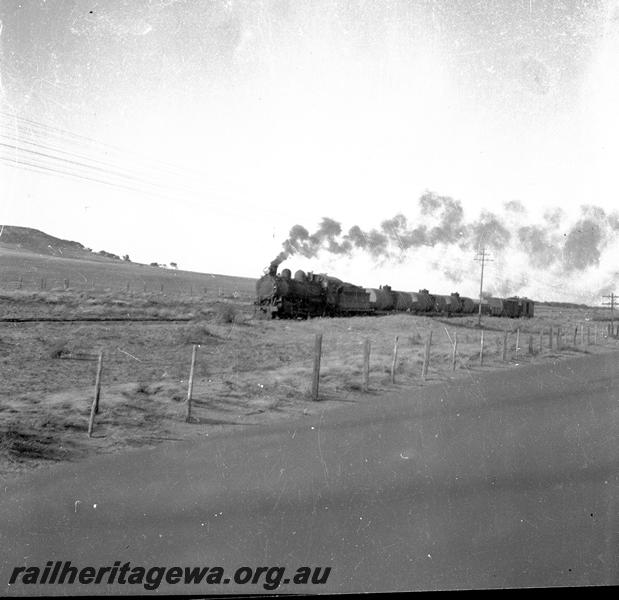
[(441, 222), (489, 231), (583, 245), (539, 245), (450, 214)]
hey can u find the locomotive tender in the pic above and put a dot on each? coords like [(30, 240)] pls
[(306, 295)]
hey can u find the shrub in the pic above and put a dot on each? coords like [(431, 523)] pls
[(225, 313), (59, 349)]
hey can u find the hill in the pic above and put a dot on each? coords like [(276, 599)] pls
[(36, 261), (31, 240)]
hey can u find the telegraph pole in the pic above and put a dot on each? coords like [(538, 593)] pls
[(612, 300), (481, 257)]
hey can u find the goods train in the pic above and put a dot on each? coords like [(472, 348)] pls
[(306, 295)]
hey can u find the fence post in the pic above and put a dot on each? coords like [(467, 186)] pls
[(426, 356), (20, 283), (582, 335), (558, 337), (66, 284), (550, 338), (190, 386), (366, 365), (316, 374), (454, 352), (481, 349), (575, 334), (505, 345), (531, 344), (98, 381), (395, 359), (94, 409), (595, 334), (588, 335), (541, 340), (517, 341)]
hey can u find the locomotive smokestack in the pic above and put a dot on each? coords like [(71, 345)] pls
[(272, 268)]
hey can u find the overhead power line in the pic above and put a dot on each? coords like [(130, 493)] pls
[(52, 151), (36, 128)]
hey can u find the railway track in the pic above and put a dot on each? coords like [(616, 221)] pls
[(92, 319)]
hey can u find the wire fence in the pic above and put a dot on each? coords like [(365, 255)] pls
[(197, 364), (131, 287)]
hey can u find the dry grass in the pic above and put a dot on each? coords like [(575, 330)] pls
[(247, 371)]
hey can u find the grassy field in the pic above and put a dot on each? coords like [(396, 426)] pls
[(248, 370), (25, 271)]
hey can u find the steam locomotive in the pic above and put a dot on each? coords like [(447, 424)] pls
[(306, 295)]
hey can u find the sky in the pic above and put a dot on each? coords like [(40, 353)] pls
[(202, 132)]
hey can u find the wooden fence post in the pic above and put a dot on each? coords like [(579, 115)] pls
[(517, 341), (454, 352), (575, 334), (190, 386), (588, 335), (366, 365), (550, 337), (98, 382), (481, 349), (505, 346), (426, 356), (541, 340), (94, 409), (595, 334), (395, 359), (558, 337), (316, 373), (531, 343), (20, 283), (66, 284)]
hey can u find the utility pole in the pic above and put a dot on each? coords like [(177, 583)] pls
[(481, 257), (612, 297)]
